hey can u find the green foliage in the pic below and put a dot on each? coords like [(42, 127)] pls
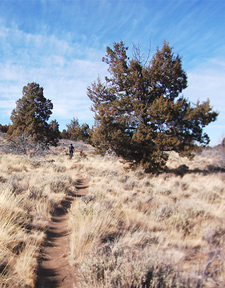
[(140, 113), (53, 133), (64, 134), (31, 114), (77, 132)]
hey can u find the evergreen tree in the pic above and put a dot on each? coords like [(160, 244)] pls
[(77, 132), (31, 114), (140, 113), (54, 133), (64, 134), (73, 129)]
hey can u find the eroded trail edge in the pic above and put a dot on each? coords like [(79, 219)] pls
[(54, 267)]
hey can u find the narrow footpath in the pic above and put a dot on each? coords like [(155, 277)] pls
[(54, 269)]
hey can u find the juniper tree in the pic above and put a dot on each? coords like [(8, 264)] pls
[(53, 133), (31, 115), (140, 112), (75, 131)]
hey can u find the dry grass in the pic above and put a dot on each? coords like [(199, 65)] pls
[(139, 230), (29, 190), (131, 230)]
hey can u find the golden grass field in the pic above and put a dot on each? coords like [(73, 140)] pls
[(132, 229)]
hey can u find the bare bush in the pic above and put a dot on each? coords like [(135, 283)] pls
[(23, 145)]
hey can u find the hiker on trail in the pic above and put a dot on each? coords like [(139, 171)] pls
[(71, 148)]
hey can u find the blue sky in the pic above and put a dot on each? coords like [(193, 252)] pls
[(60, 44)]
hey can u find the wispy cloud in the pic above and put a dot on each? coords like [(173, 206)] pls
[(206, 81), (60, 44), (55, 65)]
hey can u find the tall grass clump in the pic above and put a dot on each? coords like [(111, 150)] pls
[(17, 246)]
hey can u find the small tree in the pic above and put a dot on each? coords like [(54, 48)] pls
[(64, 134), (140, 113), (54, 133), (73, 129), (31, 114), (77, 132)]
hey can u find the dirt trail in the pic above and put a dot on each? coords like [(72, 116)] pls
[(54, 269)]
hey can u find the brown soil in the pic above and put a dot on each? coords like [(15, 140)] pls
[(54, 268)]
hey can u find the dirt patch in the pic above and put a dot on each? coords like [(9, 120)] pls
[(54, 268)]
